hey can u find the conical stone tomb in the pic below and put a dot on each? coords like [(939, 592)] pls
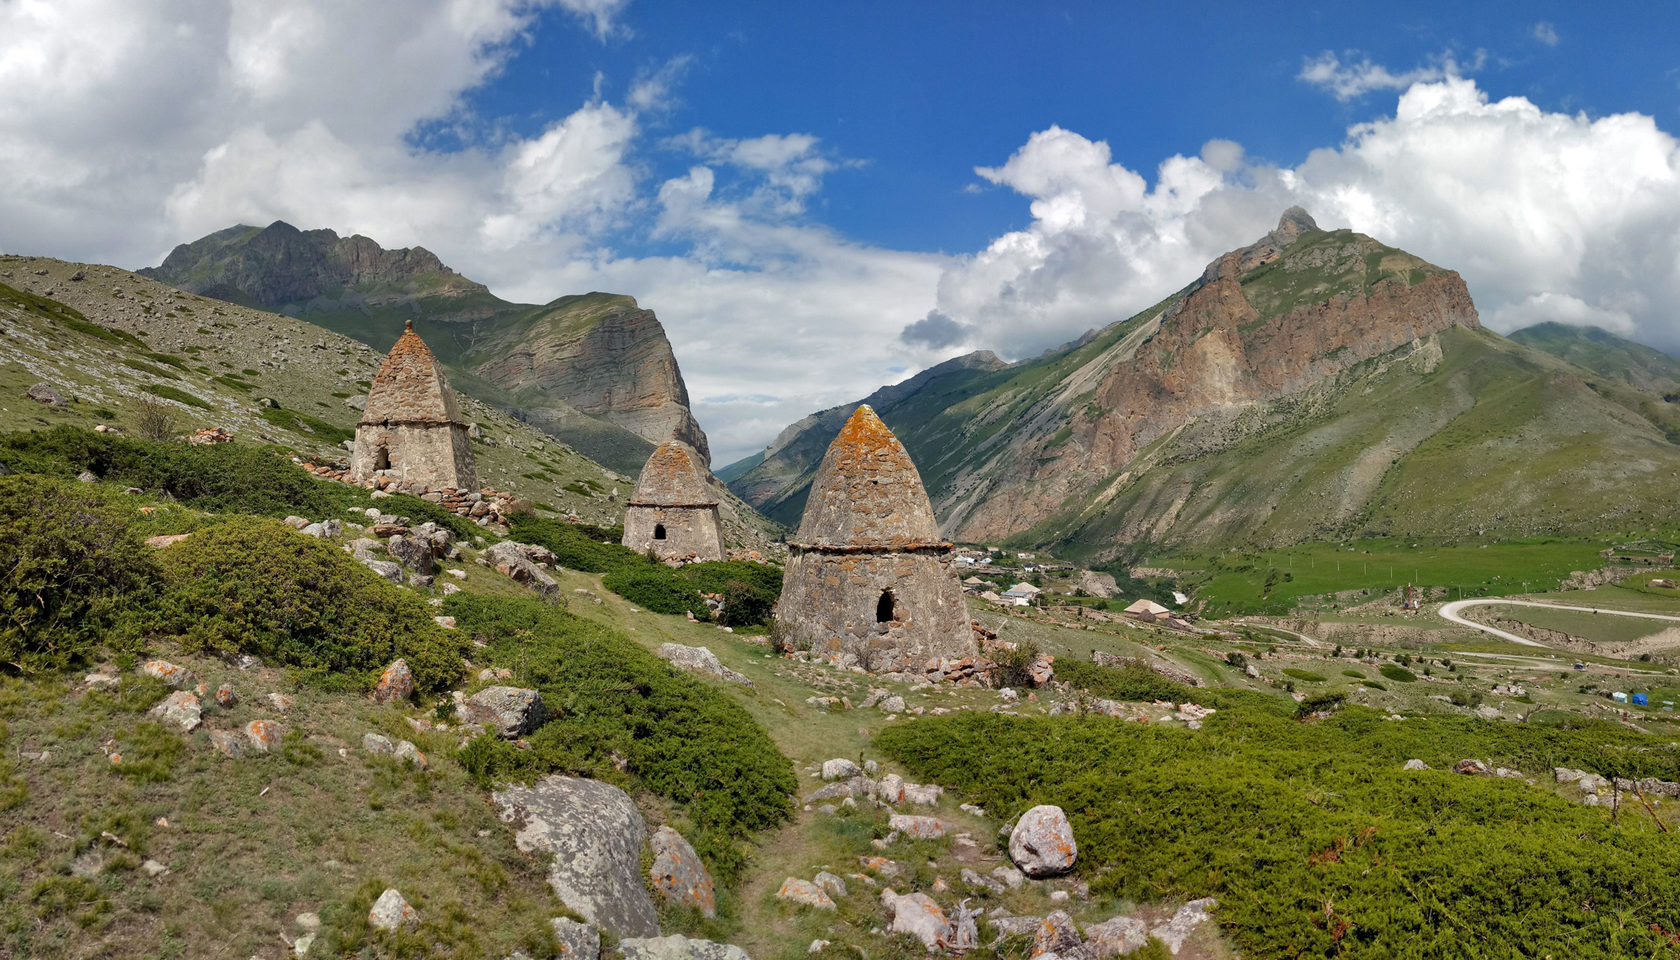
[(673, 512), (868, 573), (410, 428)]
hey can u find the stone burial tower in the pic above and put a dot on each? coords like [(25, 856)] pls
[(673, 512), (411, 429), (868, 574)]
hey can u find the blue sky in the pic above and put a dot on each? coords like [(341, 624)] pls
[(819, 199)]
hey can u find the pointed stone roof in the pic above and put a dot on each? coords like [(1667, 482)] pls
[(673, 478), (867, 493), (410, 386)]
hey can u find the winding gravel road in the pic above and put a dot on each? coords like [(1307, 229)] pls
[(1449, 611)]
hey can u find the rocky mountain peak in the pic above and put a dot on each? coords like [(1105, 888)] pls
[(1294, 222)]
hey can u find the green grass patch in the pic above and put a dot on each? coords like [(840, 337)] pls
[(172, 393), (1300, 674), (306, 424), (1397, 674), (1316, 842)]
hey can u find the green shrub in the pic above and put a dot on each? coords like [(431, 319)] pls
[(607, 697), (67, 561), (1355, 674), (259, 587), (1133, 682), (577, 546), (745, 605), (1397, 674), (1315, 841), (173, 393), (655, 587), (1306, 675), (1374, 685), (1014, 665), (716, 576), (305, 424)]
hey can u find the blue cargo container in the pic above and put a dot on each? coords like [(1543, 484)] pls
[(1640, 699)]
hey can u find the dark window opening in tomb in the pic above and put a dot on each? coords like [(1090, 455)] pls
[(659, 531), (886, 609), (382, 459)]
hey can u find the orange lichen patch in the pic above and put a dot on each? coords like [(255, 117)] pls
[(867, 492), (410, 387), (263, 734), (673, 478)]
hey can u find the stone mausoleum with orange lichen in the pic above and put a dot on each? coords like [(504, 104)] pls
[(673, 512), (411, 428), (868, 573)]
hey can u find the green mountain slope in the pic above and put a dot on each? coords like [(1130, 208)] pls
[(1316, 384), (595, 370), (1604, 353)]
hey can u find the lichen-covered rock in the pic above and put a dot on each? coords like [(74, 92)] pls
[(1117, 936), (513, 560), (395, 683), (409, 753), (1056, 934), (226, 697), (181, 709), (892, 704), (917, 828), (1184, 922), (227, 743), (391, 912), (917, 915), (386, 569), (678, 947), (840, 769), (831, 884), (512, 712), (678, 874), (264, 735), (575, 941), (701, 660), (412, 552), (167, 672), (1042, 842), (890, 789), (377, 744), (595, 834), (804, 893), (44, 393)]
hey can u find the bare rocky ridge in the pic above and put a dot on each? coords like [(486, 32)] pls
[(595, 370)]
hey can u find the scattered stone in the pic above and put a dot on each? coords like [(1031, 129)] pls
[(378, 744), (678, 947), (88, 865), (391, 912), (280, 702), (859, 786), (805, 893), (154, 869), (395, 683), (917, 915), (514, 560), (1174, 932), (1056, 934), (922, 795), (1473, 768), (831, 884), (1114, 937), (595, 835), (412, 552), (411, 753), (816, 946), (309, 921), (892, 704), (917, 828), (264, 735), (701, 660), (1042, 842), (447, 623), (226, 698), (890, 789), (386, 569), (1015, 926), (678, 874), (167, 672), (1415, 765), (840, 769), (512, 711), (227, 743), (44, 393), (99, 681), (180, 708), (984, 883), (577, 941)]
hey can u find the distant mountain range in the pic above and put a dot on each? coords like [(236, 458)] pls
[(594, 370), (1313, 385)]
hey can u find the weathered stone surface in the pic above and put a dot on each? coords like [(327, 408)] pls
[(890, 789), (869, 574), (411, 428), (575, 941), (409, 753), (1473, 768), (386, 569), (228, 743), (673, 511), (167, 672), (678, 874), (840, 790), (1116, 936), (181, 709), (1042, 842), (840, 769), (831, 884), (44, 393), (392, 912), (226, 696), (280, 702), (1414, 765), (924, 795), (264, 735), (512, 712), (805, 893), (678, 947), (395, 683), (1056, 934), (700, 660), (1174, 932), (595, 835), (413, 553), (892, 704), (917, 915), (514, 561), (378, 744), (919, 828)]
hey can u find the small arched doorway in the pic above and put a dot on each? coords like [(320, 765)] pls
[(659, 531), (886, 608), (382, 459)]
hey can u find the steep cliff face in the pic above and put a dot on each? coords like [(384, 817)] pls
[(1313, 384), (595, 370)]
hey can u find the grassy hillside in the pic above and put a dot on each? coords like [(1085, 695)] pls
[(1604, 353)]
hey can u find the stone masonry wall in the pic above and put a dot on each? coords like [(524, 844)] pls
[(689, 531), (436, 455), (829, 603)]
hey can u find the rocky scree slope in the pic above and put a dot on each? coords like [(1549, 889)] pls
[(595, 370), (104, 338), (1315, 383)]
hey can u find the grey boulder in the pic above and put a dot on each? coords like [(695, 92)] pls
[(678, 947), (512, 711), (1042, 842)]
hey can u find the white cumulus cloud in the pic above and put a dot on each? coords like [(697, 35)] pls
[(1356, 78)]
